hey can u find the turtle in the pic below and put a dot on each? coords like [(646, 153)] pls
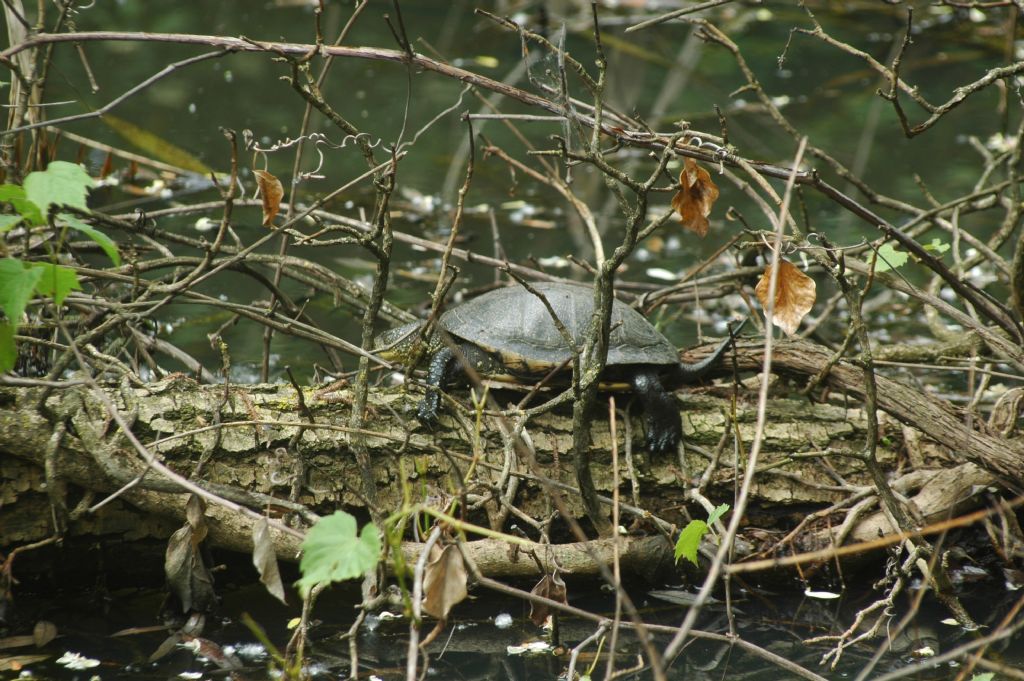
[(508, 335)]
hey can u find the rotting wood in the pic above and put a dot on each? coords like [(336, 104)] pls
[(173, 417)]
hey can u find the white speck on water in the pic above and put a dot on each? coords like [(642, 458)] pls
[(250, 651), (77, 661)]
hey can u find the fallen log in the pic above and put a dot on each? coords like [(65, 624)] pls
[(257, 446)]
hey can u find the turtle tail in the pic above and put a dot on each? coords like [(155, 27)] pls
[(688, 373)]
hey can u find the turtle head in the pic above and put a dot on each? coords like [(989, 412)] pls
[(398, 344)]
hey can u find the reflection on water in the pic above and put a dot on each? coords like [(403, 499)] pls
[(474, 645)]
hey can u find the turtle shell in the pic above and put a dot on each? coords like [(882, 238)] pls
[(514, 324)]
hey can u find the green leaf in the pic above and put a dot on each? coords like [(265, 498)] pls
[(104, 241), (17, 283), (718, 513), (57, 281), (332, 552), (9, 221), (689, 540), (937, 245), (8, 353), (9, 192), (15, 195), (987, 676), (156, 146), (889, 258), (62, 184)]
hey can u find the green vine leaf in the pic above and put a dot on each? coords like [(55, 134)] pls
[(689, 540), (101, 239), (333, 552), (61, 184), (15, 195), (889, 258), (720, 511), (9, 221), (56, 281), (17, 284), (8, 352)]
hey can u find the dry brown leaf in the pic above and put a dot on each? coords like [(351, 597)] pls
[(16, 642), (265, 559), (188, 576), (271, 192), (212, 651), (795, 293), (434, 633), (551, 587), (696, 195), (15, 663), (195, 514), (169, 645), (43, 633), (444, 581)]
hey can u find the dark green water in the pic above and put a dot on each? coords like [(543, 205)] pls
[(100, 624), (829, 96)]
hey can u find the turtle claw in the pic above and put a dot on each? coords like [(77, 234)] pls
[(662, 438), (427, 412)]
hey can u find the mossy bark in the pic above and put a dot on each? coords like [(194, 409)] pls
[(243, 442)]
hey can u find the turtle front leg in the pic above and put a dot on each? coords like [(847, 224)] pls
[(664, 427), (445, 367)]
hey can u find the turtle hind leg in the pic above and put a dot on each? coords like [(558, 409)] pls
[(446, 366), (661, 414)]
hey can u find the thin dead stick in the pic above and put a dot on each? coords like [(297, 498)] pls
[(875, 544), (120, 153), (165, 71), (559, 185), (933, 663), (153, 463), (602, 628), (669, 16), (516, 117), (717, 565), (613, 125), (244, 45), (616, 567), (742, 644), (416, 621)]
